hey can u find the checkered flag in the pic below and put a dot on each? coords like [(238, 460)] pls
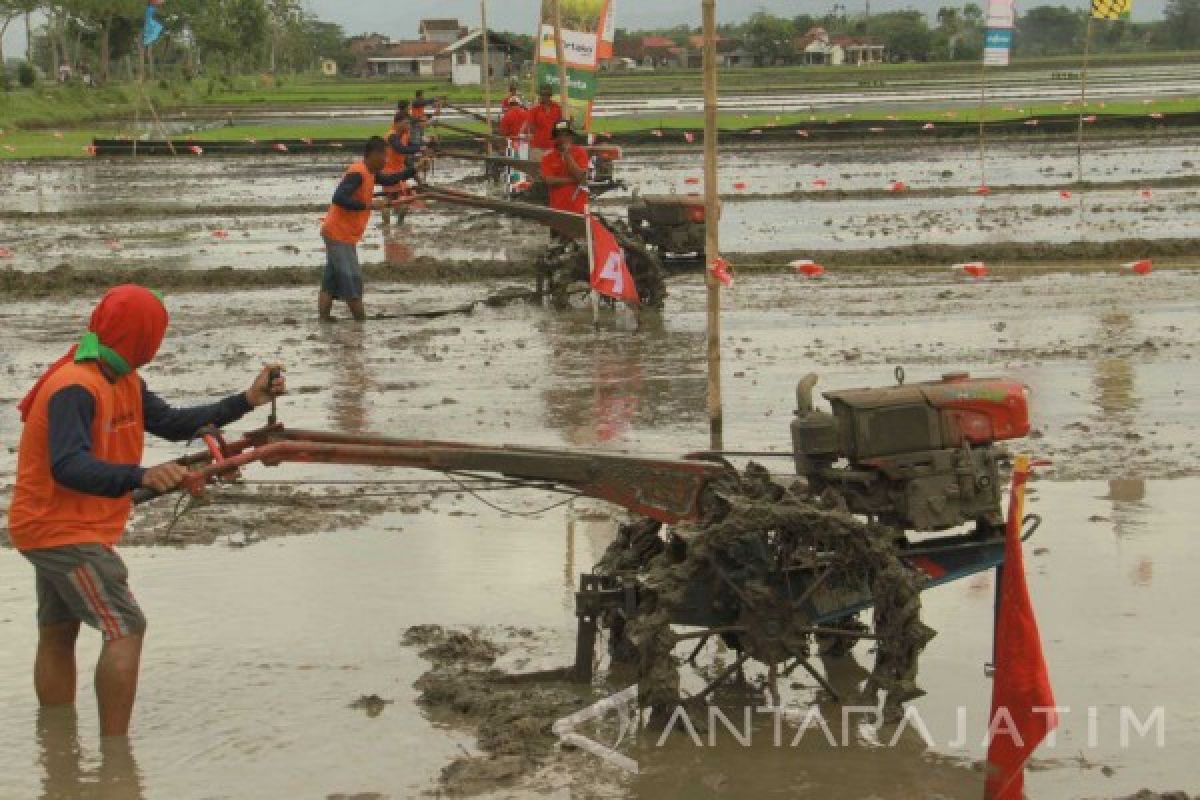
[(1112, 9)]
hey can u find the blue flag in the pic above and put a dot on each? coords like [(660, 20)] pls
[(153, 29)]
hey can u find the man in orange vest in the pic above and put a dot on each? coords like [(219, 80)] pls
[(542, 119), (565, 171), (400, 150), (346, 223), (81, 446)]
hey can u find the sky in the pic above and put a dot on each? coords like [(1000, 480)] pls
[(399, 18)]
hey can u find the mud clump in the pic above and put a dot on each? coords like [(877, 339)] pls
[(443, 647), (373, 704), (511, 720)]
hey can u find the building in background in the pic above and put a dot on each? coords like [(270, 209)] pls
[(446, 49)]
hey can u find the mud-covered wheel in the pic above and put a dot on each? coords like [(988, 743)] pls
[(840, 646), (644, 264)]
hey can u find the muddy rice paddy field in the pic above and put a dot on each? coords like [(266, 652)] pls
[(281, 659)]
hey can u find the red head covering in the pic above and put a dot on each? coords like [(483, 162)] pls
[(129, 320)]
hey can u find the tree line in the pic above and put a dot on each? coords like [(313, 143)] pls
[(226, 35), (954, 33)]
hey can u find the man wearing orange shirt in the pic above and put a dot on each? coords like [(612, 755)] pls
[(84, 426), (346, 223), (565, 171), (542, 119)]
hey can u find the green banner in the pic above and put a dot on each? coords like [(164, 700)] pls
[(581, 88)]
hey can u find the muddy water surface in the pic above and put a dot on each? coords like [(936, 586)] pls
[(256, 653), (266, 212)]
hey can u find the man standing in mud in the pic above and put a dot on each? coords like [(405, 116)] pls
[(346, 223), (79, 460)]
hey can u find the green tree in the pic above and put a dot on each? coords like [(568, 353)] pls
[(1181, 24), (768, 39), (1050, 30), (906, 35)]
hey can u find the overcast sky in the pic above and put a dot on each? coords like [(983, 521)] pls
[(399, 18)]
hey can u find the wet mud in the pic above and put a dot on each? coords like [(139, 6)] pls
[(511, 721)]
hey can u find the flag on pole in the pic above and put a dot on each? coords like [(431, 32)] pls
[(1022, 699), (1112, 9), (153, 29), (610, 270)]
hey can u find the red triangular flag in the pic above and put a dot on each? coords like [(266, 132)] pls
[(1022, 700), (610, 271)]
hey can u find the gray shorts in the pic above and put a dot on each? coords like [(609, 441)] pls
[(89, 583), (343, 275)]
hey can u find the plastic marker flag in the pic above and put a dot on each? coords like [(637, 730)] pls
[(808, 268), (221, 234), (6, 253), (153, 29), (899, 186), (196, 150), (983, 190), (741, 186), (976, 269), (1023, 710), (1112, 9), (692, 181), (1142, 267), (721, 271), (820, 183), (1146, 194), (610, 270), (689, 137), (281, 147), (1065, 194), (928, 126), (1090, 118)]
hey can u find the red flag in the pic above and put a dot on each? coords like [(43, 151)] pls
[(1021, 683), (610, 272)]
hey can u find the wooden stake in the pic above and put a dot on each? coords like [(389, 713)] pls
[(982, 134), (1087, 54), (486, 73), (561, 54), (712, 216)]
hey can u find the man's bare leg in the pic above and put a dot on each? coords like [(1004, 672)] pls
[(116, 683), (325, 306), (357, 309), (54, 665)]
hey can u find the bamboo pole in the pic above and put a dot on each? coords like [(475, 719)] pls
[(712, 205), (982, 127), (1087, 54), (486, 73), (561, 54)]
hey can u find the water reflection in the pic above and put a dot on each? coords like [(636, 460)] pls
[(775, 765), (606, 385), (352, 382), (68, 774)]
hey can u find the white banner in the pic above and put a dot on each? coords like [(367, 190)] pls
[(1001, 14)]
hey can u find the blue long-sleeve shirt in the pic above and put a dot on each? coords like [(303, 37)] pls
[(344, 196), (72, 411), (396, 142)]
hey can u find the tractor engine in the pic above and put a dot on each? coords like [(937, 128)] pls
[(672, 224), (917, 457)]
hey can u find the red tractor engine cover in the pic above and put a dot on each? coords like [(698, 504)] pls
[(980, 410)]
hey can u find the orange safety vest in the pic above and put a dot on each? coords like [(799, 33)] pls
[(396, 162), (44, 513), (348, 227)]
